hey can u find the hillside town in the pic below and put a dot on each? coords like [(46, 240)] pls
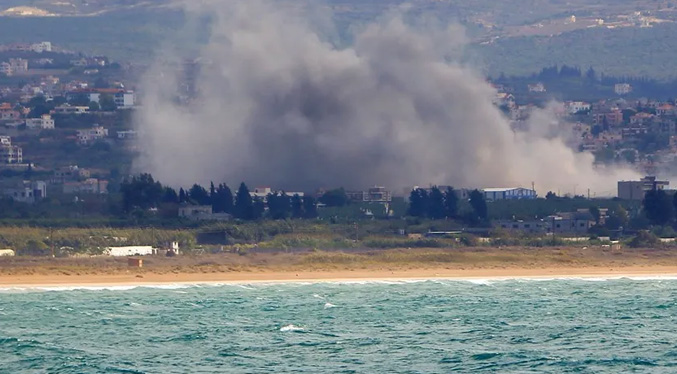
[(66, 133)]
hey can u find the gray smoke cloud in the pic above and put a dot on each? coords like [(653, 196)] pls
[(279, 105)]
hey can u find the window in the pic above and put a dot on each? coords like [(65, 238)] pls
[(526, 225)]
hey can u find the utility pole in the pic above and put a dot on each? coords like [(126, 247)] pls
[(588, 194), (51, 241)]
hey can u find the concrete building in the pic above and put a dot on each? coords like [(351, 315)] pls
[(93, 134), (88, 186), (635, 190), (10, 154), (127, 135), (121, 97), (573, 107), (376, 194), (41, 47), (578, 222), (622, 88), (263, 192), (516, 193), (27, 192), (69, 109), (69, 173), (202, 213), (45, 122)]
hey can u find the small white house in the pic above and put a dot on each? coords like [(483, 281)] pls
[(7, 253), (130, 251)]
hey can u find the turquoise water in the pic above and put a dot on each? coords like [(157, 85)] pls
[(516, 326)]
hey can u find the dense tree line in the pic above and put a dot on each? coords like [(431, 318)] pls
[(143, 192), (435, 204)]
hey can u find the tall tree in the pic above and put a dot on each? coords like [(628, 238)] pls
[(244, 206), (309, 207), (212, 192), (258, 207), (297, 206), (222, 202), (436, 204), (658, 207), (141, 192), (479, 206), (199, 195), (451, 203), (169, 195), (335, 197), (418, 203), (279, 205), (182, 196)]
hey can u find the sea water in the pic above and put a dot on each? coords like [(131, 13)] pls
[(509, 326)]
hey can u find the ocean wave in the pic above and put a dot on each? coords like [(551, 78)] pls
[(291, 328), (254, 285)]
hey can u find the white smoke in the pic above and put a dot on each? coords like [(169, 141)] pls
[(279, 105)]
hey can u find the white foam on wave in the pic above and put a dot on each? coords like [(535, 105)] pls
[(254, 285), (329, 305), (291, 328)]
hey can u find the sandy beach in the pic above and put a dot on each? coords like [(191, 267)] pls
[(132, 279), (479, 263)]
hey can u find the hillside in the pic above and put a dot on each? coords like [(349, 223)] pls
[(511, 36)]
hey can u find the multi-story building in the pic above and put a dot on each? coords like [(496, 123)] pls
[(45, 122), (95, 133), (121, 97), (68, 109), (622, 88), (69, 173), (10, 154), (88, 186), (635, 190), (27, 191), (516, 193), (376, 194), (612, 117)]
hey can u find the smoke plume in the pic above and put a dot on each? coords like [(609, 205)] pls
[(278, 104)]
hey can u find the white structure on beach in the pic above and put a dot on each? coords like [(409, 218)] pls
[(7, 253), (129, 251)]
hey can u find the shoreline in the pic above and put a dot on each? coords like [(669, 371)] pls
[(339, 276)]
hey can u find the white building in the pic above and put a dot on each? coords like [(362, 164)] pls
[(574, 107), (622, 88), (129, 251), (515, 193), (124, 99), (68, 109), (18, 65), (7, 253), (538, 87), (45, 122), (10, 154), (41, 47), (95, 133)]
